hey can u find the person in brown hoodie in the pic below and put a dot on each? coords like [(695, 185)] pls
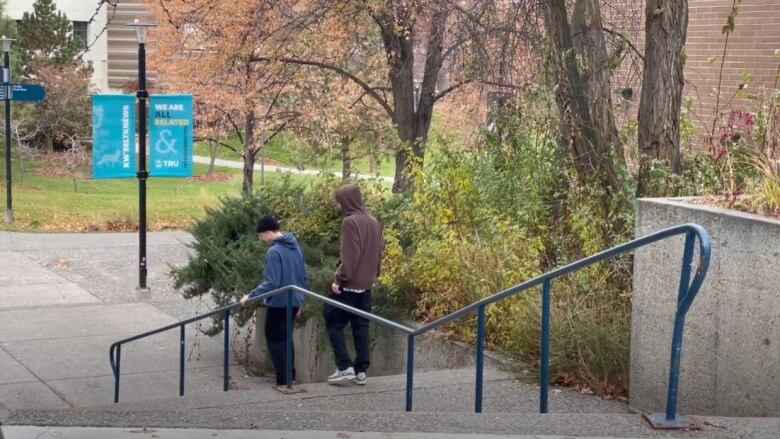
[(358, 270)]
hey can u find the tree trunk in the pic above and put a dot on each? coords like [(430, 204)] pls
[(666, 25), (400, 56), (587, 131), (570, 95), (373, 162), (402, 183), (588, 38), (265, 137), (21, 161), (212, 157), (586, 135), (346, 158), (433, 62), (48, 143), (249, 165), (250, 153), (412, 119)]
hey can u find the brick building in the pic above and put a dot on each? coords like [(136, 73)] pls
[(750, 51), (750, 56)]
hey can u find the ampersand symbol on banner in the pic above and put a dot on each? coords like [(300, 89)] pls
[(166, 145)]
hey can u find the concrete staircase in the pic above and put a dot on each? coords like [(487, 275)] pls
[(345, 424), (64, 299), (443, 406), (440, 391)]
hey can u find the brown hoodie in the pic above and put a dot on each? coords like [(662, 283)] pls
[(361, 242)]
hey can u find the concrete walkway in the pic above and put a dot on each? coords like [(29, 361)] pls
[(64, 298), (172, 433), (344, 423), (275, 168)]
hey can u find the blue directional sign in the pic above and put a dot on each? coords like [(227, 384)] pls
[(170, 136), (113, 136), (23, 92)]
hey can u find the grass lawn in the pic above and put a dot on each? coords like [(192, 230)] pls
[(48, 203), (280, 151)]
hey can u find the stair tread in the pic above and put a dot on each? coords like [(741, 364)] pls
[(559, 424), (434, 391)]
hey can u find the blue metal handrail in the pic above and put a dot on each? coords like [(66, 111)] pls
[(115, 352), (687, 292)]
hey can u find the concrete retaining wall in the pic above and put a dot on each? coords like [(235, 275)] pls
[(731, 347), (314, 358)]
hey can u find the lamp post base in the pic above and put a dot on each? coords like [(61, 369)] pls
[(143, 293), (9, 216)]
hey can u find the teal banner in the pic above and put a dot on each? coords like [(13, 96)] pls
[(113, 136), (170, 143)]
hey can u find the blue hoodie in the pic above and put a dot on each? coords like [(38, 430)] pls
[(284, 265)]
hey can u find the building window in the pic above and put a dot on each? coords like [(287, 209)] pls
[(80, 31)]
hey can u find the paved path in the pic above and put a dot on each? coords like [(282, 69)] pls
[(64, 298), (391, 424), (172, 433), (276, 168)]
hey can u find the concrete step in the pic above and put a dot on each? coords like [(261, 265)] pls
[(29, 432), (434, 391), (347, 423)]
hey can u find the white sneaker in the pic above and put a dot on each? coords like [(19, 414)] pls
[(360, 378), (339, 376)]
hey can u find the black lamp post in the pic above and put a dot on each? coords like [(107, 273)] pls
[(142, 30), (9, 208)]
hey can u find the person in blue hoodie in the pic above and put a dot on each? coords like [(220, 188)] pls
[(284, 266)]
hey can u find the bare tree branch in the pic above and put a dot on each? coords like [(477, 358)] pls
[(220, 142), (371, 91), (460, 84), (360, 98), (236, 128), (92, 18), (276, 131), (624, 38)]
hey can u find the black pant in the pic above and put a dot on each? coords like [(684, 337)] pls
[(335, 321), (276, 337)]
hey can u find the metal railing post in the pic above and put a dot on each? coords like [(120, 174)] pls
[(687, 265), (181, 361), (679, 323), (409, 371), (544, 379), (116, 372), (480, 359), (670, 419), (288, 343), (226, 369)]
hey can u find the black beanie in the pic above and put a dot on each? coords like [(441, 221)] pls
[(266, 224)]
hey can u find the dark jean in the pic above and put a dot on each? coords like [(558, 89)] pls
[(335, 322), (276, 337)]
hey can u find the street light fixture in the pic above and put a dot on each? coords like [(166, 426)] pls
[(9, 209), (7, 43), (142, 31)]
